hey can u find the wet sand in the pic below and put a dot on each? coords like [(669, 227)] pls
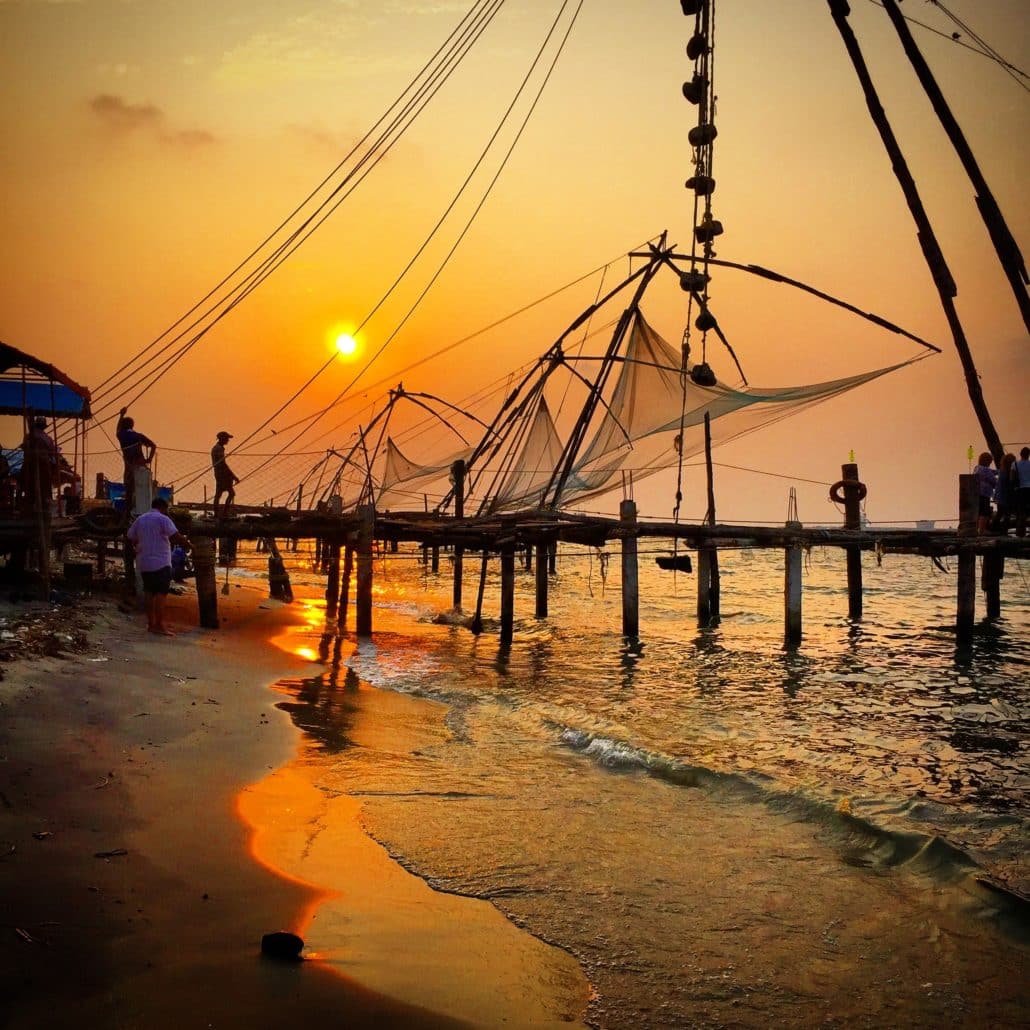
[(150, 835)]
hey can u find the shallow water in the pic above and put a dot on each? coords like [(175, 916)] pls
[(721, 831)]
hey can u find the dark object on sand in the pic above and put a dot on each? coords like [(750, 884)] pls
[(282, 945), (679, 562)]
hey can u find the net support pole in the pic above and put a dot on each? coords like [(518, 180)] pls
[(792, 592), (853, 520), (363, 618), (507, 593), (458, 475), (541, 579), (476, 625), (630, 579), (968, 509)]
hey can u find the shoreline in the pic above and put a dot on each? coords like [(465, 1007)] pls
[(140, 748)]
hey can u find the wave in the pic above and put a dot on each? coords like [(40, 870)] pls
[(860, 841)]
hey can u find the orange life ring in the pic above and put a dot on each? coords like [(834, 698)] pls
[(838, 497)]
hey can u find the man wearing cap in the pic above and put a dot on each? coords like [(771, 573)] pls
[(225, 478)]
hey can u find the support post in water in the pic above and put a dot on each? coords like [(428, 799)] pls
[(458, 475), (207, 590), (968, 510), (541, 579), (476, 626), (792, 592), (363, 627), (507, 593), (630, 582), (435, 554), (708, 562), (332, 587), (854, 491), (348, 566)]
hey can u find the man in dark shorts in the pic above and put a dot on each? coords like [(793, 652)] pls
[(152, 536), (225, 478)]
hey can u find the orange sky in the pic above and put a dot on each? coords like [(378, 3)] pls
[(150, 145)]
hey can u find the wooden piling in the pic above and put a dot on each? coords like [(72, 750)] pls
[(552, 559), (332, 587), (541, 580), (792, 596), (363, 619), (704, 587), (348, 566), (435, 556), (476, 626), (968, 508), (458, 475), (507, 593), (207, 589), (708, 558), (853, 520), (630, 580), (992, 569)]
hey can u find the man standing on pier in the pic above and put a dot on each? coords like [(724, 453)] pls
[(225, 478), (137, 453)]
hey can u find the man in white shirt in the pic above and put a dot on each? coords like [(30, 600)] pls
[(152, 536)]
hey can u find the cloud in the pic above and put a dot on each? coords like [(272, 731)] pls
[(120, 117)]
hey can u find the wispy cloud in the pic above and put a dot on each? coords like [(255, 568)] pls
[(119, 116)]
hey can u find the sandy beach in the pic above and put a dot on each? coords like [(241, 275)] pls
[(153, 830)]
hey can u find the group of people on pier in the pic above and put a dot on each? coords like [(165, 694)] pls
[(1004, 492)]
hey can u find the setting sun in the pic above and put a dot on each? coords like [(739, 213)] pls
[(346, 344)]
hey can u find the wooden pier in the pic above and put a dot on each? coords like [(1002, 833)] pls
[(345, 546)]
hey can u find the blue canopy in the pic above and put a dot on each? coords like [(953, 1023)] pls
[(29, 386)]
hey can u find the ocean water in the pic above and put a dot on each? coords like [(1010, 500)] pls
[(722, 832)]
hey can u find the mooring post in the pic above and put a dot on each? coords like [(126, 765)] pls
[(507, 593), (792, 592), (992, 570), (541, 579), (527, 558), (332, 587), (968, 509), (436, 559), (853, 492), (363, 619), (348, 566), (552, 559), (704, 586), (207, 589), (458, 477), (630, 581)]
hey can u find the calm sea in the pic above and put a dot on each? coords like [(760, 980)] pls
[(721, 831)]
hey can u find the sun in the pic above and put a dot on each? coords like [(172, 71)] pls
[(346, 345)]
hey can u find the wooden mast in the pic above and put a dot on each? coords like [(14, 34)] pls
[(1004, 243), (942, 278)]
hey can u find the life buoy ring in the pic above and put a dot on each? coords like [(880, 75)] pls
[(836, 491)]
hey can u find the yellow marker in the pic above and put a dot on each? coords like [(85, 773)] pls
[(851, 457)]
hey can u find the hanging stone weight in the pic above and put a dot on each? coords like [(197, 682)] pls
[(692, 7), (693, 281), (708, 230), (702, 185), (704, 376), (697, 46), (694, 90), (702, 135), (705, 321)]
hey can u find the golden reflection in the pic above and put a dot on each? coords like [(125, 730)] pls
[(284, 813)]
